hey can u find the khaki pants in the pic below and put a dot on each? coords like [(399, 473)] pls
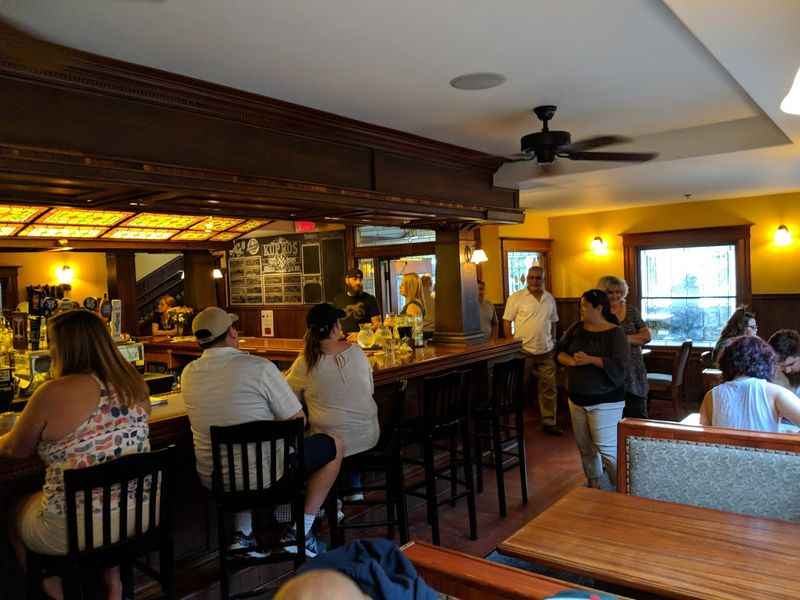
[(543, 367)]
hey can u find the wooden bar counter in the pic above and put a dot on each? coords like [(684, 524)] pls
[(397, 390)]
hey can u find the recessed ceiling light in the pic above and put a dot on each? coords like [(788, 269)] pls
[(213, 201), (478, 81)]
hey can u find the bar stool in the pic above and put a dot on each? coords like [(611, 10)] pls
[(386, 460), (151, 531), (444, 419), (275, 449), (504, 406)]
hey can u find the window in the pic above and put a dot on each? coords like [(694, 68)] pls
[(688, 293), (371, 235), (519, 255), (687, 283)]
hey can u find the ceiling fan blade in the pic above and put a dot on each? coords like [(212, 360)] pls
[(611, 156), (595, 142), (520, 157)]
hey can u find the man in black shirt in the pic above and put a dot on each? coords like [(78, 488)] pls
[(359, 306)]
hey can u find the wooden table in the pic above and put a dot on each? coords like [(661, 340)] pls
[(674, 550)]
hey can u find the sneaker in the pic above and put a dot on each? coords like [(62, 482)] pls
[(313, 547), (245, 545), (357, 497)]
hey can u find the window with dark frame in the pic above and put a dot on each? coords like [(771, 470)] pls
[(688, 283)]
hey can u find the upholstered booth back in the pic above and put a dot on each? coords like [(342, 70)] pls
[(744, 472)]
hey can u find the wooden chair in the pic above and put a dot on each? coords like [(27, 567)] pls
[(672, 386), (270, 446), (151, 530), (443, 424), (503, 421)]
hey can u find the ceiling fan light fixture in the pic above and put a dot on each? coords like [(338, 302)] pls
[(791, 103), (478, 81)]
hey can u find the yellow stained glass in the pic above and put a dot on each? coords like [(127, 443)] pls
[(217, 223), (139, 233), (19, 214), (190, 235), (227, 236), (249, 226), (61, 231), (7, 230), (76, 216), (162, 221)]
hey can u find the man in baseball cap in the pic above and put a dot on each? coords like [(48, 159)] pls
[(226, 386), (359, 307)]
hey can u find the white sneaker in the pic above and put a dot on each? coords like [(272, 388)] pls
[(245, 545), (313, 547), (357, 497)]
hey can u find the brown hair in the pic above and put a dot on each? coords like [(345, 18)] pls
[(312, 344), (737, 323), (80, 344)]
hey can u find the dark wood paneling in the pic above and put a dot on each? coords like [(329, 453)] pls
[(199, 288), (569, 311), (776, 311), (121, 270), (9, 287), (289, 321)]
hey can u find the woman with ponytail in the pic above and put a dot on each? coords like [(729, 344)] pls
[(595, 352), (336, 380)]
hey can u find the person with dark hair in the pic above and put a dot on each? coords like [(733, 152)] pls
[(746, 399), (786, 344), (226, 386), (741, 322), (94, 410), (335, 378), (359, 306), (488, 314), (595, 351), (638, 335)]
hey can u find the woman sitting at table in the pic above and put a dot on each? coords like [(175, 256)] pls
[(336, 379), (411, 291), (786, 344), (638, 335), (596, 352), (746, 399), (161, 324), (94, 410), (741, 322)]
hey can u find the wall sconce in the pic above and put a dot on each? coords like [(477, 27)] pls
[(599, 246), (782, 236), (216, 274), (64, 275), (475, 256)]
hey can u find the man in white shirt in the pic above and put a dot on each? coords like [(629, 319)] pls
[(533, 311), (226, 386)]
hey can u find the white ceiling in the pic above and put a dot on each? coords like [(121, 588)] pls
[(698, 84)]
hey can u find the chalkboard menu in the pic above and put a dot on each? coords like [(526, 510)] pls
[(286, 269)]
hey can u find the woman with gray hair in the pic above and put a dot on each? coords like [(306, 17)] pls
[(638, 335)]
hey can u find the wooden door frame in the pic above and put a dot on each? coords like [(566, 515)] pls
[(541, 245)]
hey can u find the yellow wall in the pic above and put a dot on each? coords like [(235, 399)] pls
[(535, 226), (775, 270), (39, 268)]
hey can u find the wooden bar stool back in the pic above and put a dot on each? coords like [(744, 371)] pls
[(501, 421), (152, 476)]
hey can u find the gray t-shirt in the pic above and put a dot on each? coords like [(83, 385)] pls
[(488, 317)]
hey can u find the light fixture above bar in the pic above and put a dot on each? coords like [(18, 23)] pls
[(226, 236), (160, 221), (249, 226), (140, 233), (12, 213), (62, 231), (191, 236), (76, 216), (7, 229), (217, 223)]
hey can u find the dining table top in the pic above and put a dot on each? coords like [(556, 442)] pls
[(673, 550)]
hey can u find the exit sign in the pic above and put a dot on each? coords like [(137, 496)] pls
[(304, 226)]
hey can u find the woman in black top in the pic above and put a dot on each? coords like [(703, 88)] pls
[(595, 351)]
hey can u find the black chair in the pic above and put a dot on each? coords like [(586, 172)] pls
[(445, 418), (385, 463), (152, 527), (258, 443), (499, 422)]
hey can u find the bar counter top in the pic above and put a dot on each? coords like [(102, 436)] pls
[(419, 362)]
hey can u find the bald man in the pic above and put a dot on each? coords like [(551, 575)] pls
[(322, 583)]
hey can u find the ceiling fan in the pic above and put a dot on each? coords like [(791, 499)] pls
[(546, 145)]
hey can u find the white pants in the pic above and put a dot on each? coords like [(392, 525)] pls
[(595, 429)]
